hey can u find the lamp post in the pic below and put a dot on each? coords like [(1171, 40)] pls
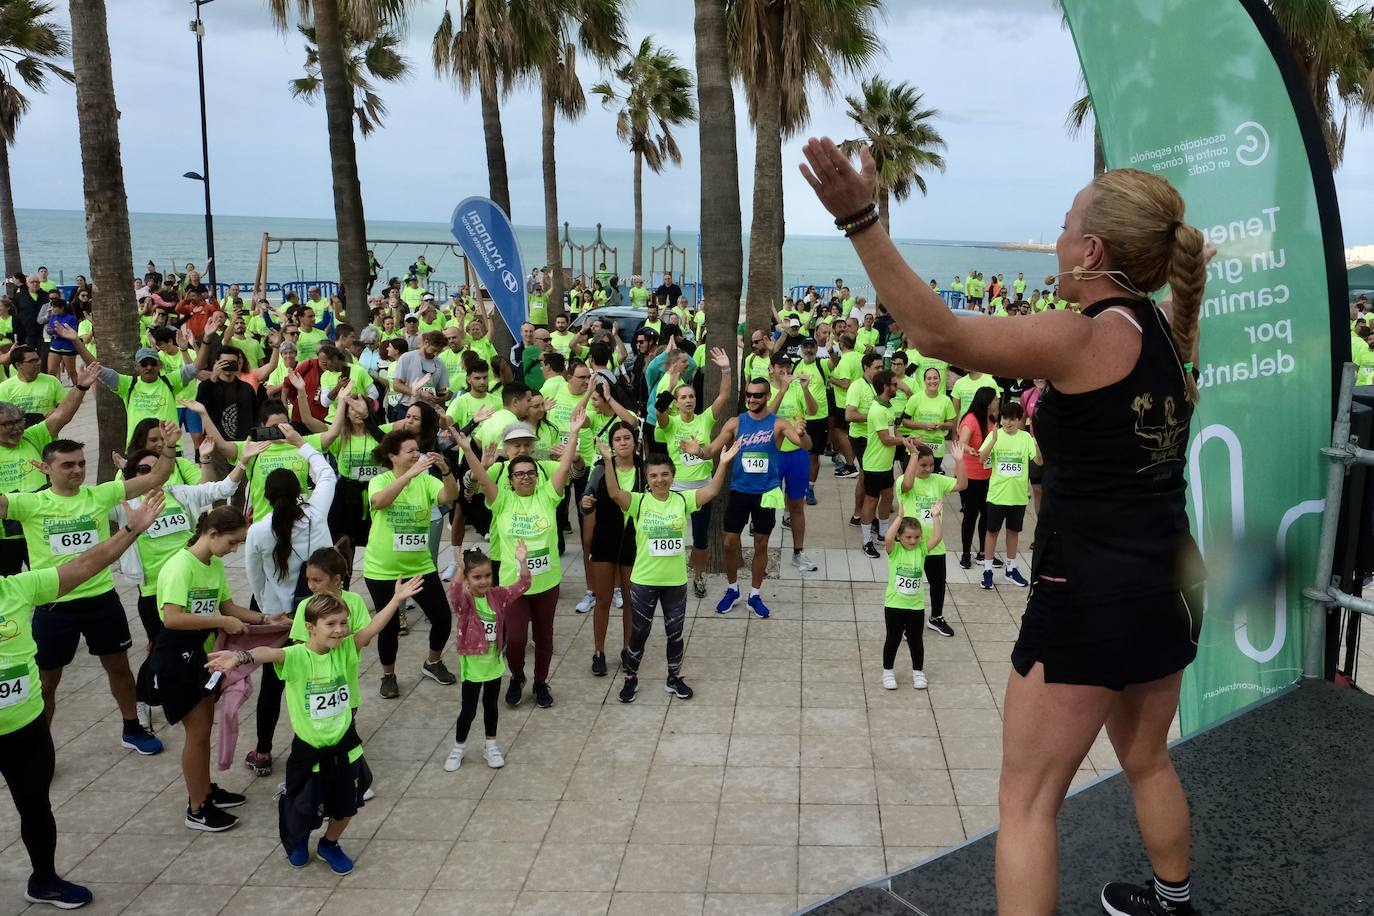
[(204, 176)]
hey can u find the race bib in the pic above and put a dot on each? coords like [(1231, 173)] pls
[(690, 460), (754, 463), (407, 542), (926, 514), (489, 627), (327, 703), (202, 602), (538, 563), (1008, 469), (665, 547), (72, 542), (14, 686), (169, 523), (907, 583), (365, 472)]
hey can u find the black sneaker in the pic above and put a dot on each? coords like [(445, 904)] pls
[(871, 551), (542, 697), (627, 693), (939, 625), (965, 561), (855, 521), (515, 691), (996, 562), (389, 688), (678, 688), (55, 892), (599, 664), (846, 470), (439, 673), (209, 818), (222, 798), (1120, 899)]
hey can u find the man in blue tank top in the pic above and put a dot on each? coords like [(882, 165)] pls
[(755, 495)]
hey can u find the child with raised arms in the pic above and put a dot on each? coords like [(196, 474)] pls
[(904, 605)]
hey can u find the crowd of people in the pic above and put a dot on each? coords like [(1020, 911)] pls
[(281, 431)]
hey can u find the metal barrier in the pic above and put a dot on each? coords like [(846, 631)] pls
[(302, 287)]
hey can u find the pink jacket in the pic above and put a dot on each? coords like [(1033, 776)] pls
[(469, 636), (238, 685)]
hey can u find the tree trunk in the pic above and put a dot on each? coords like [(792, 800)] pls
[(1099, 157), (721, 239), (884, 209), (343, 159), (108, 245), (765, 232), (638, 260), (496, 140), (9, 225), (553, 249)]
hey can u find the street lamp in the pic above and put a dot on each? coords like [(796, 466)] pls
[(204, 176)]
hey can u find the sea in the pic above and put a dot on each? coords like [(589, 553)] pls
[(57, 239)]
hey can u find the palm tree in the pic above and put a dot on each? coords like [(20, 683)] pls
[(658, 95), (333, 21), (482, 49), (30, 46), (779, 48), (367, 57), (898, 132), (107, 212)]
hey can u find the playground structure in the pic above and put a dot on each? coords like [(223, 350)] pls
[(575, 257), (273, 245), (668, 258)]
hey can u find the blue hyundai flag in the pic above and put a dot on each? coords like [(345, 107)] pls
[(484, 231)]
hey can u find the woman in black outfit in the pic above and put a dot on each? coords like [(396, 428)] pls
[(1115, 604)]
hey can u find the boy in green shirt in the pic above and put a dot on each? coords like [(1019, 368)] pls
[(879, 452), (1010, 449)]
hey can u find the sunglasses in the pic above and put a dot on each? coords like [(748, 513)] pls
[(139, 469), (756, 394)]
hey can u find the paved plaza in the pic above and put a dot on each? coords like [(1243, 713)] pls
[(789, 776)]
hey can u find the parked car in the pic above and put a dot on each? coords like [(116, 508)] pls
[(627, 317)]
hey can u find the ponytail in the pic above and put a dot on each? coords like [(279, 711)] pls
[(283, 491), (1187, 278), (223, 519)]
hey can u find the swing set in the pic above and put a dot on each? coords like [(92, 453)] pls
[(599, 252), (273, 245)]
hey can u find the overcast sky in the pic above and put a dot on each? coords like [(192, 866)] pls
[(1002, 73)]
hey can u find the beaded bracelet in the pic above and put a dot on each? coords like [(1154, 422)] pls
[(854, 228), (854, 217), (243, 657)]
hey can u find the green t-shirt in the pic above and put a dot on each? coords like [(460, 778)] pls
[(329, 380), (659, 537), (816, 379), (916, 503), (878, 456), (673, 431), (967, 386), (639, 296), (318, 698), (195, 587), (251, 350), (41, 395), (489, 666), (562, 341), (398, 544), (906, 567), (453, 362), (17, 474), (1011, 456), (865, 338), (21, 695), (848, 369), (57, 529), (924, 409), (539, 309), (464, 407), (922, 363), (279, 454), (491, 430), (169, 533), (530, 519), (860, 396), (142, 399), (792, 407), (552, 385), (559, 410), (755, 366), (308, 344), (358, 617), (353, 456)]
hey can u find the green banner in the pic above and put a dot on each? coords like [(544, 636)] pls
[(1201, 92)]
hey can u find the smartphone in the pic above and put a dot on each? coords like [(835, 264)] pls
[(265, 434)]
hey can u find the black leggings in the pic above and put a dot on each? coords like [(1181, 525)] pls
[(148, 615), (490, 691), (26, 761), (270, 691), (431, 601), (973, 500), (935, 578), (899, 621)]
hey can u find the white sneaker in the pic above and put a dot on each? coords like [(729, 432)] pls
[(492, 754), (454, 759), (619, 601), (889, 680), (369, 794), (586, 604), (918, 680), (803, 562), (145, 715), (449, 570)]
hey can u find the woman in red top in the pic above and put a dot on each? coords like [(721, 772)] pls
[(977, 422), (197, 310)]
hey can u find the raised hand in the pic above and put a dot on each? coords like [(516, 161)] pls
[(484, 413), (118, 460), (296, 381), (841, 188), (720, 359), (141, 517), (421, 466), (730, 452), (408, 588), (288, 432), (65, 331), (956, 450), (171, 434), (254, 449), (88, 374)]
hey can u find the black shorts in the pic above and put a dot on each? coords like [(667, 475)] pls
[(1014, 516), (744, 507), (858, 444), (819, 431), (875, 482), (174, 675), (1107, 644), (612, 543), (59, 627), (1037, 474), (837, 414)]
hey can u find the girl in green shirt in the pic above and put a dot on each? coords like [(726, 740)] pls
[(904, 605)]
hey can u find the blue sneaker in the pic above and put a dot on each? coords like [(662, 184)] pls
[(727, 604), (334, 856), (62, 894), (987, 579), (1015, 578), (138, 738), (757, 606), (810, 495), (300, 856)]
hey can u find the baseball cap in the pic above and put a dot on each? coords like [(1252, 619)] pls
[(146, 353), (412, 317), (795, 323), (427, 297), (518, 431)]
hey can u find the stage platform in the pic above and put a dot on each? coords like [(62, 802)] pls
[(1282, 799)]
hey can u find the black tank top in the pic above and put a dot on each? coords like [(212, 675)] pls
[(1114, 520)]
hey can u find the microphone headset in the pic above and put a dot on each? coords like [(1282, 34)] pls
[(1082, 273)]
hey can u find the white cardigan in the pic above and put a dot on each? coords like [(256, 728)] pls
[(276, 594), (196, 499)]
